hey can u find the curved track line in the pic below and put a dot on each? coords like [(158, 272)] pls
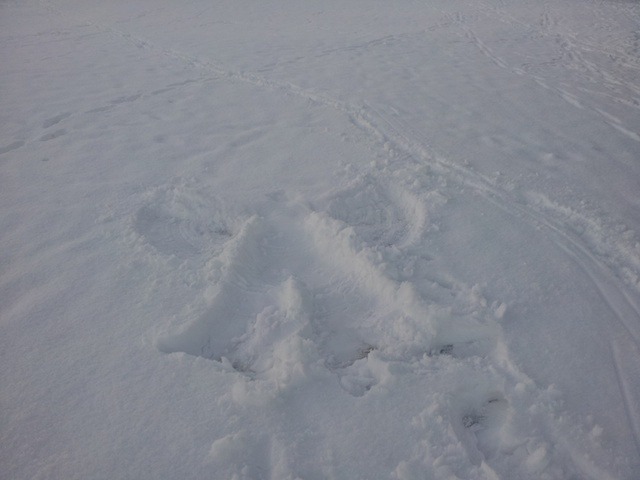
[(578, 252)]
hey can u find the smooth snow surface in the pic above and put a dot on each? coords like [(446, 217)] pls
[(287, 239)]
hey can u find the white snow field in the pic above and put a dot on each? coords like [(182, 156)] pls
[(320, 239)]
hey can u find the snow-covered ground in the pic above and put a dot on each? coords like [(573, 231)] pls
[(320, 239)]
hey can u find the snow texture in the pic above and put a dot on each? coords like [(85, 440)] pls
[(319, 239)]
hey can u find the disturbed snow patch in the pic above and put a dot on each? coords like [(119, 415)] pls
[(304, 294)]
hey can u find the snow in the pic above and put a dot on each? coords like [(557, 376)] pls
[(320, 240)]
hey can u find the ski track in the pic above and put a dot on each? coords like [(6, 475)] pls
[(281, 309), (571, 51), (607, 282), (630, 404)]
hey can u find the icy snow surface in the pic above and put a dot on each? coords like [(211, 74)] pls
[(287, 239)]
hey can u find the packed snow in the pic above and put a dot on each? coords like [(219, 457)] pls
[(286, 239)]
